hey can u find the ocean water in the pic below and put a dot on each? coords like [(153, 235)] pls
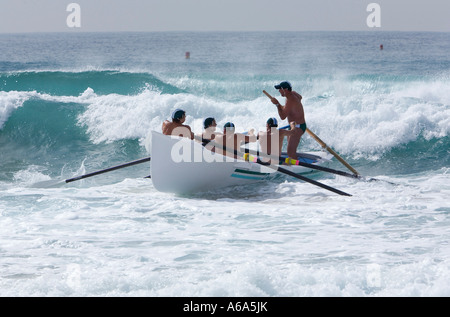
[(75, 103)]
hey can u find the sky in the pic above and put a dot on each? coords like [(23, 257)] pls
[(20, 16)]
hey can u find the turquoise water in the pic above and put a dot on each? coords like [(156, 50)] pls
[(76, 103)]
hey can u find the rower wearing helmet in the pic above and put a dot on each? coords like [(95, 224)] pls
[(209, 124), (176, 126), (271, 140), (209, 133), (232, 140)]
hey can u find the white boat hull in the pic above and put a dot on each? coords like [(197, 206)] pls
[(182, 166)]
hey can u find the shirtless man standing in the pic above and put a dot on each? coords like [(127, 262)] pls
[(293, 111)]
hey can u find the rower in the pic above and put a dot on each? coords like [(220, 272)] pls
[(210, 133), (176, 127), (232, 140), (271, 141)]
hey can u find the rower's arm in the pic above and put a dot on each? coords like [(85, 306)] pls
[(283, 111)]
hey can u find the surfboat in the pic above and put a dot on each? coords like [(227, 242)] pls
[(183, 166)]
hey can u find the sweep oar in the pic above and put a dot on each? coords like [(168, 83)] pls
[(52, 183), (326, 147), (315, 137), (274, 167), (320, 168)]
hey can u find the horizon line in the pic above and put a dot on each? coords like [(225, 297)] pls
[(217, 31)]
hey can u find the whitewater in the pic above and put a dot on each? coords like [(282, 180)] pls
[(71, 104)]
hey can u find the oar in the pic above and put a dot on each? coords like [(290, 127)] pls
[(300, 163), (325, 169), (340, 159), (276, 168), (312, 166), (53, 183), (315, 137), (147, 159)]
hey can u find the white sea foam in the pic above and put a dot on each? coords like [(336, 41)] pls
[(126, 239), (360, 124), (372, 123), (355, 124), (10, 101), (112, 117)]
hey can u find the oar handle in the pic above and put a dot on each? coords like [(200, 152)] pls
[(268, 95)]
